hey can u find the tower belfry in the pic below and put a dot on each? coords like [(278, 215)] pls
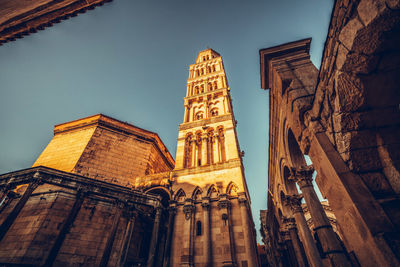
[(213, 222)]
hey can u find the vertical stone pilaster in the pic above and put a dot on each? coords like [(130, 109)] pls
[(248, 240), (224, 205), (187, 250), (110, 240), (204, 149), (171, 221), (312, 253), (329, 242), (207, 231), (151, 261), (127, 237)]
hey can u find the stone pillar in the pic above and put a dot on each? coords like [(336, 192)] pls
[(171, 221), (247, 233), (287, 249), (330, 244), (187, 256), (110, 240), (291, 228), (310, 248), (227, 234), (5, 226), (207, 231), (151, 261), (127, 238)]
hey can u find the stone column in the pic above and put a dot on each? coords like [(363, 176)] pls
[(329, 242), (187, 256), (310, 248), (151, 261), (110, 240), (207, 231), (290, 225), (171, 221), (224, 207), (247, 233), (127, 237), (287, 249)]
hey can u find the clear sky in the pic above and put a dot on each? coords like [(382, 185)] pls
[(129, 60)]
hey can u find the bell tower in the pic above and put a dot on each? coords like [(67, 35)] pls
[(213, 222)]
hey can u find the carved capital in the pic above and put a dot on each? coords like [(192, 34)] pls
[(294, 202), (290, 223), (242, 200), (205, 203), (188, 209), (224, 203), (302, 175)]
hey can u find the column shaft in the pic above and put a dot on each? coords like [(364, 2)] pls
[(151, 261), (127, 239), (207, 232), (329, 242), (296, 244), (110, 240), (310, 248), (171, 220)]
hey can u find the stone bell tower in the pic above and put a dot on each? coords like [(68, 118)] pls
[(213, 221)]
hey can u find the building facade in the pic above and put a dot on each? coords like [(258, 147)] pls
[(107, 193), (345, 117)]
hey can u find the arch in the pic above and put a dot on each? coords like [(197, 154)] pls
[(294, 152), (232, 189), (208, 69), (213, 68), (180, 195), (214, 112), (197, 90), (197, 192), (213, 192), (199, 115), (215, 85), (210, 87), (161, 191)]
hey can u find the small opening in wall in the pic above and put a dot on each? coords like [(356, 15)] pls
[(198, 228), (199, 162)]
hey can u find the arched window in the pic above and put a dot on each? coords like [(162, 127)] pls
[(202, 71), (210, 147), (215, 85), (209, 69), (210, 88), (197, 90), (214, 112), (213, 68), (198, 228), (199, 115), (204, 58), (198, 73), (198, 143), (208, 57), (202, 88)]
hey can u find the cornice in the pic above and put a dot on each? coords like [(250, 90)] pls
[(25, 20)]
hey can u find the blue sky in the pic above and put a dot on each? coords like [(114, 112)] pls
[(129, 60)]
